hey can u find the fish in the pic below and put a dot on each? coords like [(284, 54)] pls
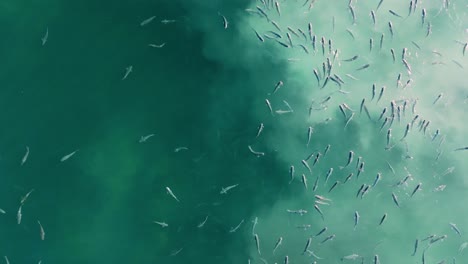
[(462, 247), (356, 219), (157, 45), (291, 172), (406, 131), (376, 259), (423, 16), (322, 41), (395, 199), (262, 12), (435, 134), (319, 211), (353, 14), (145, 138), (390, 28), (455, 228), (393, 54), (462, 148), (407, 66), (19, 215), (200, 225), (323, 230), (289, 39), (128, 70), (278, 243), (394, 13), (25, 157), (24, 198), (259, 130), (329, 173), (277, 5), (310, 130), (416, 45), (342, 111), (349, 177), (389, 136), (257, 243), (333, 186), (310, 30), (306, 165), (41, 229), (147, 21), (304, 180), (365, 66), (377, 179), (438, 98), (371, 44), (351, 257), (6, 260), (329, 238), (317, 157), (417, 188), (304, 48), (327, 148), (380, 3), (350, 159), (383, 219), (360, 189), (276, 25), (355, 57), (381, 41), (349, 120), (168, 21), (269, 106), (372, 13), (306, 249), (314, 40), (255, 222), (66, 157), (45, 37), (224, 190), (234, 229), (382, 90), (429, 29), (360, 169), (258, 36), (317, 76), (282, 43), (2, 211), (169, 191), (256, 153), (384, 110), (178, 149), (362, 105), (416, 243)]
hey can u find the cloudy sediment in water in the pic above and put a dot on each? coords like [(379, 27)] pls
[(199, 131)]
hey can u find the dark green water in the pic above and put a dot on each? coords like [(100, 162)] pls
[(205, 90)]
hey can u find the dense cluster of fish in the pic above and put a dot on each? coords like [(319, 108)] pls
[(391, 109)]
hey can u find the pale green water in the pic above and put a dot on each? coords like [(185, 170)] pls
[(205, 89)]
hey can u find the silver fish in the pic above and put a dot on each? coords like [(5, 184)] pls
[(25, 157), (147, 21), (169, 191)]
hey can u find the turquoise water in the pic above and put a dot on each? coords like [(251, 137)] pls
[(201, 90)]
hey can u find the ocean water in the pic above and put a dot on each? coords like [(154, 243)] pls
[(73, 162)]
